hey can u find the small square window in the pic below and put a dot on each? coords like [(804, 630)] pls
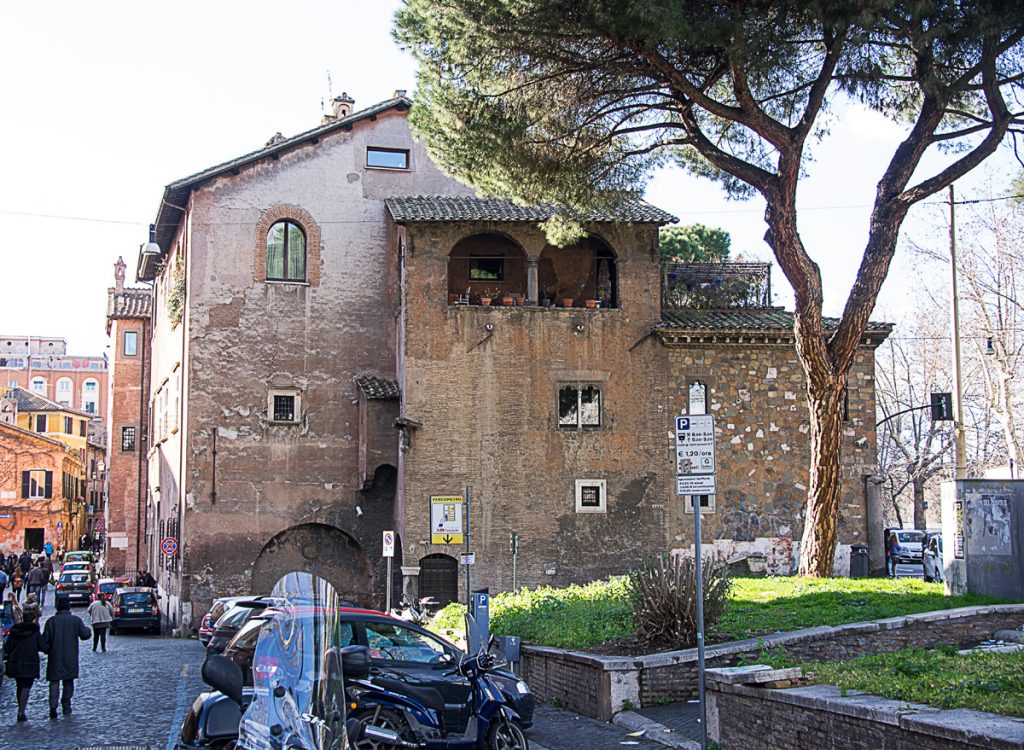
[(707, 503), (128, 438), (387, 158), (487, 269), (591, 496), (284, 406), (131, 343), (579, 407)]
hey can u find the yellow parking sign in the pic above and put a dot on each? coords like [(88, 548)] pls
[(446, 514)]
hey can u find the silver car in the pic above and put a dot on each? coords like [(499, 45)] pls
[(932, 558)]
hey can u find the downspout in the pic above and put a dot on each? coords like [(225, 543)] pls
[(141, 444), (182, 427)]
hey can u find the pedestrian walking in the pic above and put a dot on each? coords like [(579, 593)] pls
[(48, 549), (4, 580), (25, 563), (101, 614), (32, 603), (893, 550), (60, 643), (17, 583), (16, 612), (21, 655), (145, 579), (12, 562), (37, 580)]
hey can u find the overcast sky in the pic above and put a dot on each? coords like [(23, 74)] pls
[(105, 103)]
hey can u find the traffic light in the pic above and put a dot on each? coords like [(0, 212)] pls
[(942, 407), (513, 543)]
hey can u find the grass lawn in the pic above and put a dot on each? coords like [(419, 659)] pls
[(941, 678), (579, 617)]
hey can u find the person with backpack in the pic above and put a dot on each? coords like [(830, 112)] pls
[(21, 654)]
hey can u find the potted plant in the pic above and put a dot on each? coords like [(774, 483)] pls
[(567, 302), (487, 296), (520, 300), (591, 304), (507, 299)]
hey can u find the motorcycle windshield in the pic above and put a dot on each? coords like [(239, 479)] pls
[(298, 698)]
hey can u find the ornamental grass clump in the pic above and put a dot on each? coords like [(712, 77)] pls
[(663, 593)]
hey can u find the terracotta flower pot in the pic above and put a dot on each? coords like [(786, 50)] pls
[(520, 301), (567, 302), (508, 301), (590, 303), (485, 301)]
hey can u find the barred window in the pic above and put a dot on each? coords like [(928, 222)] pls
[(127, 438), (579, 406)]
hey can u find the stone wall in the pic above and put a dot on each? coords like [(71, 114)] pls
[(758, 397), (818, 717), (645, 680)]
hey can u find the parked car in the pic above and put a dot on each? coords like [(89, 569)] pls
[(220, 606), (911, 541), (77, 567), (932, 558), (80, 556), (230, 622), (76, 586), (135, 608), (109, 586), (399, 649)]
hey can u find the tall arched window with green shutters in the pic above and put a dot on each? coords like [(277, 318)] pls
[(286, 252)]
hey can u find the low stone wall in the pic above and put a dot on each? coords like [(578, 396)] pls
[(817, 717), (601, 686)]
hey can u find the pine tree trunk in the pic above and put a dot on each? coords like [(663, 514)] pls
[(818, 547)]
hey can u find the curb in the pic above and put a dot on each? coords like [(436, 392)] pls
[(653, 730)]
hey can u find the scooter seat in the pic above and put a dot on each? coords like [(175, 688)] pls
[(429, 697)]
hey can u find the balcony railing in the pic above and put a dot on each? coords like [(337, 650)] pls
[(715, 285)]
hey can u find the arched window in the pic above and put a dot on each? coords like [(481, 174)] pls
[(64, 391), (286, 252), (38, 386), (90, 396)]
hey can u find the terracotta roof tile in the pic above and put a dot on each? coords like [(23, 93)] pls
[(413, 208), (129, 303), (746, 319), (28, 401), (378, 389)]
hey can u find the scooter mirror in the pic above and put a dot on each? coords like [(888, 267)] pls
[(222, 674)]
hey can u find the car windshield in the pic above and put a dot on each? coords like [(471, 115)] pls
[(295, 652), (136, 597), (911, 536), (235, 617), (74, 577), (108, 588)]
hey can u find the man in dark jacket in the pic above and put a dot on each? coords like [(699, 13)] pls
[(37, 580), (25, 563), (21, 652), (60, 642)]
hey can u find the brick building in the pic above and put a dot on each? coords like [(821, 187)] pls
[(322, 365), (41, 480), (128, 315), (42, 365)]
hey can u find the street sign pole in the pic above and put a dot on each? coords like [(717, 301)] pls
[(514, 544), (700, 623), (389, 553), (695, 476)]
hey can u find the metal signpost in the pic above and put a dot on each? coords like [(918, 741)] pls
[(513, 543), (389, 553), (695, 476), (469, 560)]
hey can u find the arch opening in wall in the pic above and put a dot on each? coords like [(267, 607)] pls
[(65, 393), (486, 265), (322, 550), (439, 578), (584, 271)]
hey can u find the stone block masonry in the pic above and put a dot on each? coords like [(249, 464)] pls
[(821, 717), (599, 686)]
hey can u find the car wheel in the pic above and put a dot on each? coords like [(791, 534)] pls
[(386, 719)]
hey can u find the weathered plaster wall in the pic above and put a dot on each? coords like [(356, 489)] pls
[(247, 335), (487, 399), (758, 397)]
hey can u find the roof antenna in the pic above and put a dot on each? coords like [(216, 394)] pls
[(330, 92)]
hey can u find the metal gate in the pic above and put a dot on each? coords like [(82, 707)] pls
[(439, 578)]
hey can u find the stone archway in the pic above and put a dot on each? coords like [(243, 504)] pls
[(319, 549)]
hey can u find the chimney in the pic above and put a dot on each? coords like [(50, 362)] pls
[(119, 275), (342, 105), (399, 93), (274, 139)]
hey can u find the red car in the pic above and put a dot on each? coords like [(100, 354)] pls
[(107, 586)]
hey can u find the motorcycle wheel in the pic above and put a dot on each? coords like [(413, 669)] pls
[(506, 735), (387, 719)]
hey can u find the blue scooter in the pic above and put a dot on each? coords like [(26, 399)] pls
[(417, 714)]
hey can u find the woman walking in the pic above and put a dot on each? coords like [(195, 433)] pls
[(17, 584), (22, 654), (101, 614)]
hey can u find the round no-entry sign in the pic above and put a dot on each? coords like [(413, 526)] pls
[(169, 546)]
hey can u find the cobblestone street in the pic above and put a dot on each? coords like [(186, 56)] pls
[(134, 695)]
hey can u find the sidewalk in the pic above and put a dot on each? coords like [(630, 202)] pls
[(561, 730)]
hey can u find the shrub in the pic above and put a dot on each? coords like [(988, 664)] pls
[(664, 596)]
